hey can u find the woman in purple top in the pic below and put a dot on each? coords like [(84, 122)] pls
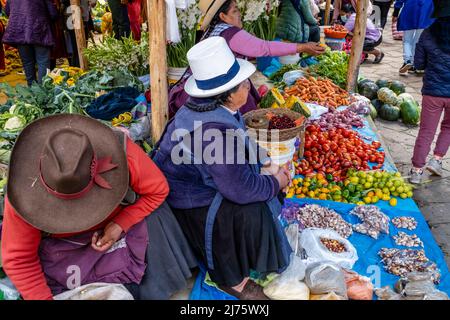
[(223, 18), (373, 35), (30, 30)]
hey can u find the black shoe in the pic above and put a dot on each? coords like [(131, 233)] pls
[(379, 58), (404, 69), (412, 70)]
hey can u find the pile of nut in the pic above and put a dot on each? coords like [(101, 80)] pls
[(404, 239), (373, 221), (405, 223), (315, 216), (401, 261), (333, 245)]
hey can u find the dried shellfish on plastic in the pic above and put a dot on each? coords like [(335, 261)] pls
[(373, 221), (404, 239), (315, 216), (405, 223)]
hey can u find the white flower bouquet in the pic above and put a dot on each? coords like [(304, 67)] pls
[(259, 17)]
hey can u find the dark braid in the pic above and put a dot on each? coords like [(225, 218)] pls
[(225, 8)]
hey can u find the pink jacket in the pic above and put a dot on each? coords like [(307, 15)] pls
[(338, 4)]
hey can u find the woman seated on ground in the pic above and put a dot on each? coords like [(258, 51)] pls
[(87, 213), (223, 18), (373, 35), (226, 208), (340, 13)]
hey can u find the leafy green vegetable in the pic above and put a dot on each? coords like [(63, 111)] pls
[(15, 124), (278, 76), (332, 65)]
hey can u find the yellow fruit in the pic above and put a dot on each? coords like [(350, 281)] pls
[(371, 194), (379, 193), (305, 190), (311, 194), (306, 184), (289, 195), (323, 196), (400, 189), (299, 191), (360, 203), (386, 198), (393, 202), (375, 199), (386, 190), (409, 194), (403, 195), (398, 175), (367, 185), (301, 196), (368, 200), (354, 180), (347, 182)]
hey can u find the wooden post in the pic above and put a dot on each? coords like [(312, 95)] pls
[(78, 26), (359, 33), (327, 13), (158, 66)]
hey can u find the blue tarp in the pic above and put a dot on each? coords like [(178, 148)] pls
[(369, 263)]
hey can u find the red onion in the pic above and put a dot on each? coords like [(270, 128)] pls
[(339, 119)]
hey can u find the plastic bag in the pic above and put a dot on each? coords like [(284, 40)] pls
[(140, 130), (316, 110), (8, 289), (436, 295), (322, 278), (310, 241), (289, 285), (328, 296), (173, 33), (358, 287), (386, 293), (96, 291)]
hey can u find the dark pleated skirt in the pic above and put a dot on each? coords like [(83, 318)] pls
[(169, 258), (244, 239)]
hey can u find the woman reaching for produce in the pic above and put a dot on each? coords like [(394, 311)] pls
[(433, 56), (223, 18), (227, 209)]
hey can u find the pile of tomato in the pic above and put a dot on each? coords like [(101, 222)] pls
[(335, 151)]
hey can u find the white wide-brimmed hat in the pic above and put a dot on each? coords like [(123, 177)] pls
[(215, 69)]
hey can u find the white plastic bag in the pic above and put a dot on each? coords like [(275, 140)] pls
[(173, 32), (316, 111), (310, 241), (289, 285), (323, 278), (9, 290), (97, 291)]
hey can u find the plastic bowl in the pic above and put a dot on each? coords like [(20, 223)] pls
[(292, 59), (329, 33)]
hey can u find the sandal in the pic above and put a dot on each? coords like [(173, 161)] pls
[(379, 58)]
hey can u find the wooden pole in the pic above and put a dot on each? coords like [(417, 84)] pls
[(327, 13), (78, 26), (158, 65), (359, 33)]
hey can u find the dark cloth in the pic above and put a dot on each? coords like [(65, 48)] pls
[(384, 6), (244, 239), (32, 55), (169, 258), (434, 58), (370, 45), (30, 22), (314, 34), (121, 21), (110, 105)]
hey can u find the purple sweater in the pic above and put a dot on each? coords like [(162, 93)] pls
[(30, 22), (372, 32)]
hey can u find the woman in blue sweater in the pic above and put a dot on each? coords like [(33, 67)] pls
[(433, 56), (225, 206)]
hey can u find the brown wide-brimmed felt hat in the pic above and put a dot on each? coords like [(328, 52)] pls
[(67, 173), (209, 8)]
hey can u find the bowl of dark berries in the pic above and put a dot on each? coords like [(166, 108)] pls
[(274, 124)]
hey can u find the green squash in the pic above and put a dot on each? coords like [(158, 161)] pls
[(363, 82), (389, 112), (369, 90), (382, 83), (397, 86), (373, 112), (410, 112), (272, 97), (405, 97), (388, 96), (377, 104)]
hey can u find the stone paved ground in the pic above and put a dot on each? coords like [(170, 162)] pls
[(432, 196)]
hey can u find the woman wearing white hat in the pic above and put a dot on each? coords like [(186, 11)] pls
[(227, 210), (223, 18)]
